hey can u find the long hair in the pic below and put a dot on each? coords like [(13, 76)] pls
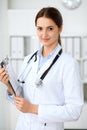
[(52, 13)]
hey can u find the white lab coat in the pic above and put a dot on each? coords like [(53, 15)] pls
[(60, 97)]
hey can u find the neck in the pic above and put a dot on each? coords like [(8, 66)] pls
[(47, 50)]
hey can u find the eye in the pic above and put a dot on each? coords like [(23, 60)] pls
[(39, 28), (50, 28)]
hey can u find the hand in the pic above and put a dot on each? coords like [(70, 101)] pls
[(25, 106), (4, 77)]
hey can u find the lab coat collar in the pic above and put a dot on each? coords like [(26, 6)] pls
[(58, 47), (48, 62)]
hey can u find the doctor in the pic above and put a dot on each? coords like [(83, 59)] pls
[(49, 79)]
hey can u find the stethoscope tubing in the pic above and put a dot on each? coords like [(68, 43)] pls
[(39, 82)]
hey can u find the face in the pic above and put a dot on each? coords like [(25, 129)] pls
[(47, 31)]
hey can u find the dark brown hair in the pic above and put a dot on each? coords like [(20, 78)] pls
[(52, 13)]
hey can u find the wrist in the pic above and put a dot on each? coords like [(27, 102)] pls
[(34, 109)]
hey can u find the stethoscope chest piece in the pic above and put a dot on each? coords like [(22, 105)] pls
[(39, 83)]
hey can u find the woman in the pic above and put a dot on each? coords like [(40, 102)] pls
[(49, 78)]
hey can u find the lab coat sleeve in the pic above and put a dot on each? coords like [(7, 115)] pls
[(10, 97), (73, 93), (17, 86)]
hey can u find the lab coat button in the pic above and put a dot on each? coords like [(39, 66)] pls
[(45, 124)]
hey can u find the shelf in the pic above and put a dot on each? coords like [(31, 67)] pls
[(16, 59), (76, 46)]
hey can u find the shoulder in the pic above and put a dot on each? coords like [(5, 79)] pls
[(67, 58), (69, 61), (27, 57), (25, 63)]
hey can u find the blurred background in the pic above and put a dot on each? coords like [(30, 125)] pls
[(18, 39)]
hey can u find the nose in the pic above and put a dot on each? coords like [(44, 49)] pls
[(44, 33)]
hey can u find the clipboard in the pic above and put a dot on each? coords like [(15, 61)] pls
[(2, 64)]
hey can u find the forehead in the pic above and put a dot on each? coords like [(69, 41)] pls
[(43, 21)]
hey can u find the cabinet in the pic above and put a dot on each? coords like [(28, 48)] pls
[(84, 59), (77, 47), (20, 46)]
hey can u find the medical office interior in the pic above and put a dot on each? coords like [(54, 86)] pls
[(18, 39)]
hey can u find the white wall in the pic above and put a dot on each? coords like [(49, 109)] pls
[(4, 111), (24, 22), (75, 21), (3, 28), (32, 4)]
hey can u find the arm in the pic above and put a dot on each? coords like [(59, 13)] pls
[(25, 106), (73, 98), (72, 107)]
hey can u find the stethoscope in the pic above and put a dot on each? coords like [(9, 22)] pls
[(39, 81)]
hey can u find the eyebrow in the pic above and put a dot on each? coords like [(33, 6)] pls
[(46, 27)]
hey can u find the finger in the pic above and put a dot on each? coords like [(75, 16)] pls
[(18, 104), (3, 76), (18, 100), (2, 70), (19, 108)]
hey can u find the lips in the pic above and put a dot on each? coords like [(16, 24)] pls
[(45, 39)]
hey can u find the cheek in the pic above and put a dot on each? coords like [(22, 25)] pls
[(38, 34), (55, 35)]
